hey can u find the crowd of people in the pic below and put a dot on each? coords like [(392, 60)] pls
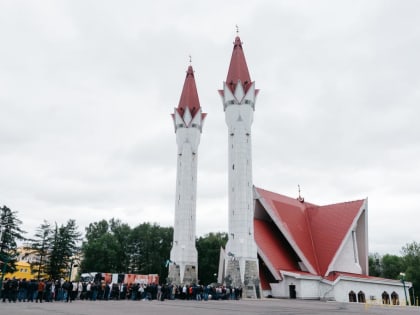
[(15, 290)]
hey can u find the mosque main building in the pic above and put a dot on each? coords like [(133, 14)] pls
[(278, 246)]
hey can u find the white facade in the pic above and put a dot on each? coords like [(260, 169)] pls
[(372, 289), (352, 256), (241, 247), (239, 112), (348, 257), (319, 288), (183, 252)]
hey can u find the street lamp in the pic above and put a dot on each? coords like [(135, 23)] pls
[(402, 274)]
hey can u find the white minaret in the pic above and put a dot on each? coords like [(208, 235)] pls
[(188, 121), (238, 95)]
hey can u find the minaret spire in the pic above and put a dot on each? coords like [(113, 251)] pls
[(188, 121), (189, 96), (238, 70)]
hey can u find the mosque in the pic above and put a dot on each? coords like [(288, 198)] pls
[(278, 246)]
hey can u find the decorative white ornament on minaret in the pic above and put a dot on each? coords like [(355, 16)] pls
[(238, 96), (188, 121)]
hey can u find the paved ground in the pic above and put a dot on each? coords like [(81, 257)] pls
[(244, 307)]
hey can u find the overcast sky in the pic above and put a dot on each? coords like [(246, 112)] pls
[(87, 89)]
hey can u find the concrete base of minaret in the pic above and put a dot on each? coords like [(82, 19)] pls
[(251, 284), (189, 274), (174, 276)]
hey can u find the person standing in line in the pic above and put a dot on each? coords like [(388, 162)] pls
[(89, 291), (68, 287), (52, 291), (47, 291), (159, 292), (79, 289), (23, 290), (5, 290), (41, 288), (74, 289), (95, 289), (107, 291), (14, 286), (32, 287)]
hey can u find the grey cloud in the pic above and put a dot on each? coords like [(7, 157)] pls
[(87, 92)]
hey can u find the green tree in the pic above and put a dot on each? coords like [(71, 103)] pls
[(121, 233), (40, 246), (116, 248), (411, 258), (101, 249), (208, 248), (161, 245), (392, 266), (10, 233), (100, 255), (375, 269), (64, 249), (150, 247), (96, 230), (91, 249)]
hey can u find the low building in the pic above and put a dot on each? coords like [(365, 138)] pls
[(23, 271), (24, 266)]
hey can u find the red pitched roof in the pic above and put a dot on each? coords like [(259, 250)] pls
[(189, 95), (328, 237), (291, 215), (307, 228), (238, 69), (272, 247)]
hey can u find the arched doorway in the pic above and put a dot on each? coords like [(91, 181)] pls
[(361, 297), (395, 298), (352, 296), (385, 298)]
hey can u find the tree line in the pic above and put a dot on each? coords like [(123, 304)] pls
[(115, 247), (107, 246), (52, 245)]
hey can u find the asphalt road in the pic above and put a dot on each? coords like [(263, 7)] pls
[(243, 307)]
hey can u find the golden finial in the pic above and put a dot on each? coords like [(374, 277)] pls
[(190, 59), (237, 29)]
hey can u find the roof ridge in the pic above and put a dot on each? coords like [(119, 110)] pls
[(342, 203), (304, 203), (309, 227)]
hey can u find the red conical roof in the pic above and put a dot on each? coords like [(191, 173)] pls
[(238, 70), (189, 96)]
